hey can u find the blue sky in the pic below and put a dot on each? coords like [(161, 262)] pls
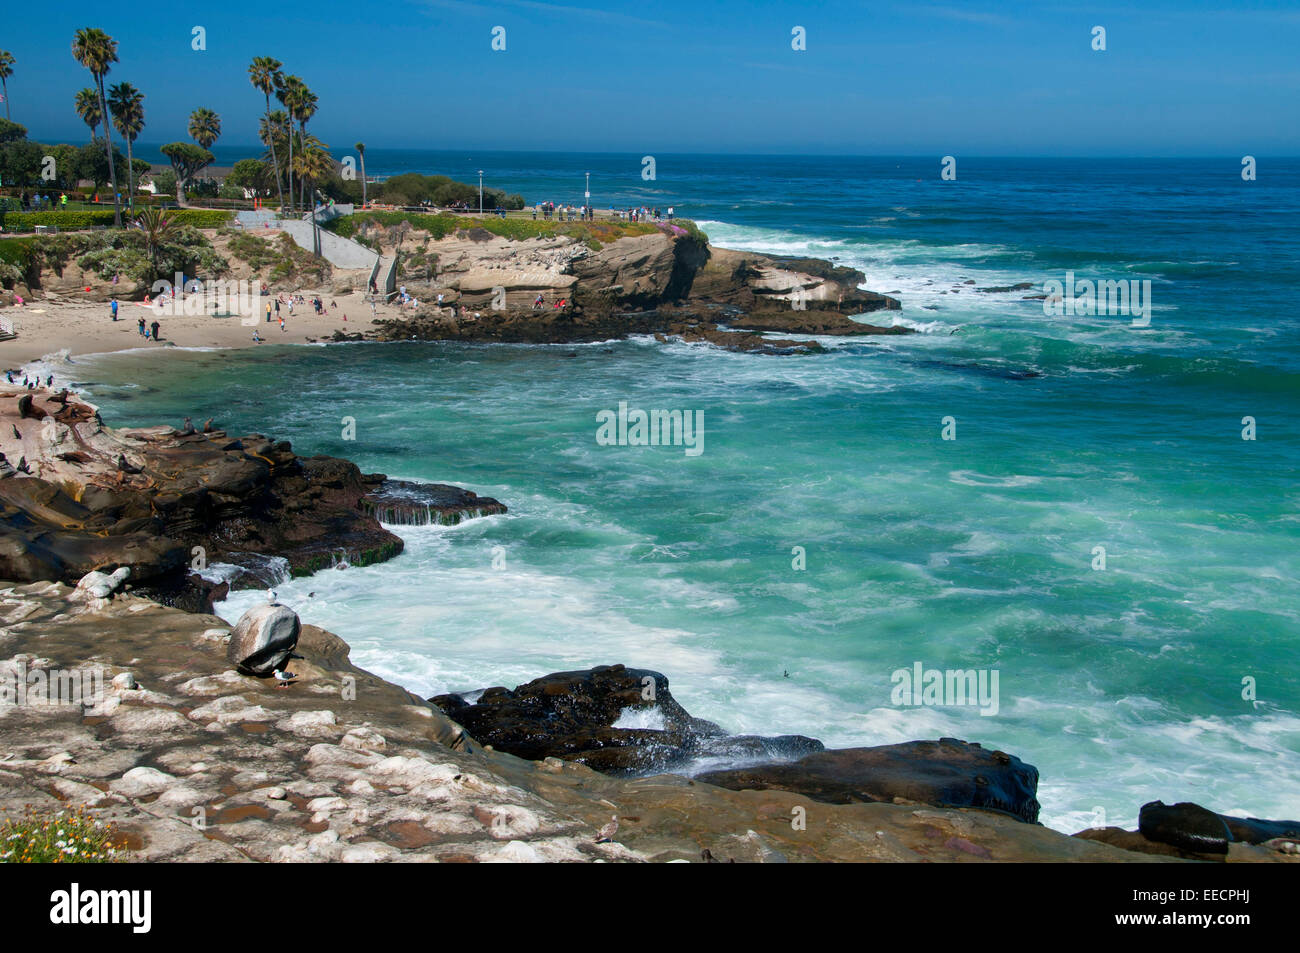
[(1177, 78)]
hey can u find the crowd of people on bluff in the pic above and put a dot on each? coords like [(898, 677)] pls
[(568, 213)]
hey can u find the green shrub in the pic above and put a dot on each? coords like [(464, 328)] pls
[(71, 221), (440, 225)]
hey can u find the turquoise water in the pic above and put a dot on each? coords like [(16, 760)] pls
[(1122, 685)]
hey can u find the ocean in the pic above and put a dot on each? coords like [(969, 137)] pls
[(1097, 532)]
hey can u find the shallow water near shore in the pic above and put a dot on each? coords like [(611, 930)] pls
[(1121, 685)]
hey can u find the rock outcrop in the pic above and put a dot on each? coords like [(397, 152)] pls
[(946, 773), (194, 762), (575, 716), (160, 501), (1192, 832), (669, 283)]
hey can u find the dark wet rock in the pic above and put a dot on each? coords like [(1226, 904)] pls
[(162, 501), (1185, 826), (1254, 830), (1021, 286), (407, 503), (943, 773), (703, 332), (1193, 832), (185, 590), (812, 322), (571, 715)]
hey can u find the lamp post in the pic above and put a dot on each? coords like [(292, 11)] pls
[(480, 191), (587, 198)]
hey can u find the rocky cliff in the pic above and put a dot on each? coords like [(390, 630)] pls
[(669, 282), (195, 762), (77, 495)]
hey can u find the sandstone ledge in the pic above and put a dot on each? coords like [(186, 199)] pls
[(344, 766)]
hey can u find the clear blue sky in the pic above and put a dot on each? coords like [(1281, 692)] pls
[(980, 78)]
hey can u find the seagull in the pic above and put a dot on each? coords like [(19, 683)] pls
[(607, 832), (284, 678), (270, 596)]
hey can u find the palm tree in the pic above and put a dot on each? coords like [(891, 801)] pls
[(87, 105), (314, 165), (264, 73), (6, 70), (273, 132), (126, 103), (306, 109), (97, 51), (158, 228), (361, 151), (205, 127), (289, 93)]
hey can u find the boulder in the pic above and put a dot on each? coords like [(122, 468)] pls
[(99, 585), (572, 715), (263, 640), (943, 773)]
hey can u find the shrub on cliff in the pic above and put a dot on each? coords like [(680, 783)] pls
[(593, 234)]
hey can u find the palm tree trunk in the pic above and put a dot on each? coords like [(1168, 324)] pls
[(270, 135), (290, 170), (363, 181), (5, 83), (108, 146), (130, 176), (302, 185)]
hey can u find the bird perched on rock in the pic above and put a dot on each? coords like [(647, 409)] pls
[(189, 426), (606, 833), (270, 596), (207, 425), (284, 678), (23, 466), (17, 435)]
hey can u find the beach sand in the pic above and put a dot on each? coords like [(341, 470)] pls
[(48, 326)]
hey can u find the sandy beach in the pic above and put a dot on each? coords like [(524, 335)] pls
[(50, 325)]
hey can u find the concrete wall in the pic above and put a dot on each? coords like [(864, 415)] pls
[(339, 252)]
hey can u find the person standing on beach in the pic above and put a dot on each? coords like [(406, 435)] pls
[(113, 309), (140, 326), (154, 328), (268, 312)]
